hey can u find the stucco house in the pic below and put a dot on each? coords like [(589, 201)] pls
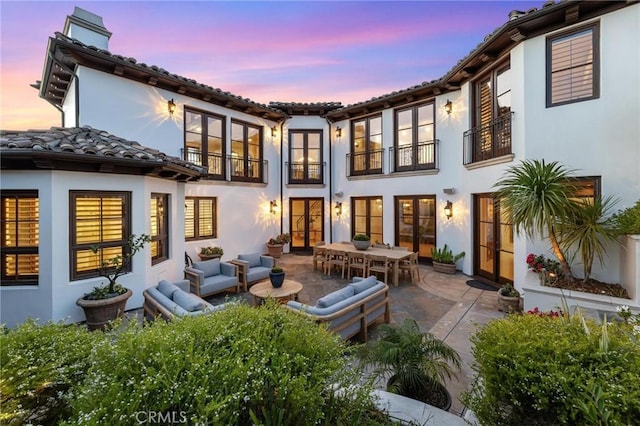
[(220, 169)]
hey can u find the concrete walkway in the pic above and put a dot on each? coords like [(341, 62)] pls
[(441, 304)]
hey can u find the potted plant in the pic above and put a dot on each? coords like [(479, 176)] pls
[(274, 245), (414, 363), (105, 303), (508, 299), (444, 260), (361, 241), (210, 252), (276, 276)]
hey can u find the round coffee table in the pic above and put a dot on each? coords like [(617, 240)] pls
[(288, 291)]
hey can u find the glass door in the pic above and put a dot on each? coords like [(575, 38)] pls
[(307, 220), (416, 223), (493, 254)]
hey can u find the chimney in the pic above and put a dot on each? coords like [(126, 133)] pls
[(87, 28)]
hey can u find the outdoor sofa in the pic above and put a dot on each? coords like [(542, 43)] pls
[(352, 309), (169, 300), (253, 267), (212, 276)]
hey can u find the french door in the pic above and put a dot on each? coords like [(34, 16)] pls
[(493, 240), (307, 222), (416, 223)]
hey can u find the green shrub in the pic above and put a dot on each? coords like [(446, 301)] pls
[(538, 370), (628, 220), (361, 237), (41, 365), (240, 366), (445, 255)]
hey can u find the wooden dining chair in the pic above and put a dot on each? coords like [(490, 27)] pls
[(336, 259), (379, 264), (319, 254), (411, 265), (358, 262)]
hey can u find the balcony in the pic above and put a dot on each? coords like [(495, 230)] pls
[(414, 157), (239, 168), (365, 163), (305, 173), (489, 141)]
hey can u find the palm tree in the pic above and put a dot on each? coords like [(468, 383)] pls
[(537, 196), (589, 227), (417, 362)]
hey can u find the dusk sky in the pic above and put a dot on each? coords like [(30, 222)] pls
[(312, 51)]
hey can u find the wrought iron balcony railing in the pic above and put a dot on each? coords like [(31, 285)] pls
[(488, 141), (365, 163), (305, 172), (414, 157)]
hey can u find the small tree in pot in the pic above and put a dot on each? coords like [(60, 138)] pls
[(414, 363), (274, 245), (361, 241), (107, 302)]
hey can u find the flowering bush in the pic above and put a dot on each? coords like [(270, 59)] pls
[(629, 318), (547, 269), (541, 314)]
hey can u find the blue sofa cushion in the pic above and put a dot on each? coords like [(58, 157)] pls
[(252, 259), (362, 285), (335, 297), (167, 289), (188, 301), (209, 267)]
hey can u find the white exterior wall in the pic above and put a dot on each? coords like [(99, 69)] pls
[(139, 112), (55, 296), (599, 137), (17, 303)]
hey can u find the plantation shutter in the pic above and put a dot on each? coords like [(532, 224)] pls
[(572, 67)]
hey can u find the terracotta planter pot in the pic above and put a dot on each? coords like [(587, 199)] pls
[(275, 250), (508, 304), (100, 312), (445, 268)]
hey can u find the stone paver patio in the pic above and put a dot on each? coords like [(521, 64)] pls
[(441, 304)]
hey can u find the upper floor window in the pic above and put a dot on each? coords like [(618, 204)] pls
[(159, 228), (587, 188), (204, 141), (366, 217), (20, 237), (415, 141), (102, 221), (491, 135), (305, 156), (200, 218), (573, 66), (246, 152), (366, 146)]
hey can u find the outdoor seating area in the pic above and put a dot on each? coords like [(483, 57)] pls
[(441, 304)]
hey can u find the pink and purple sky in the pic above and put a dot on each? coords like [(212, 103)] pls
[(301, 51)]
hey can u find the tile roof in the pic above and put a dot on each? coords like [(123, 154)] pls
[(86, 144)]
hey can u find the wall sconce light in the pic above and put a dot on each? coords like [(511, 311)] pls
[(338, 208), (448, 210), (273, 206), (274, 132), (338, 132), (171, 106), (448, 107)]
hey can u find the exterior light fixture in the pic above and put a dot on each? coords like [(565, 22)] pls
[(274, 132), (171, 106), (338, 132), (273, 206), (448, 107), (338, 208), (448, 210)]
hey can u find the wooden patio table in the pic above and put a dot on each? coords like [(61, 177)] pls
[(394, 256)]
